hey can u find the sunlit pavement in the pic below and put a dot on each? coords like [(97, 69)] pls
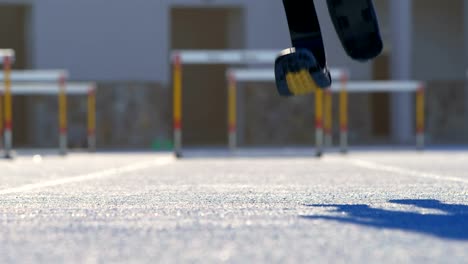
[(268, 206)]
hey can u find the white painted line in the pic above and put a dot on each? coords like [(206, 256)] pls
[(91, 176), (402, 171)]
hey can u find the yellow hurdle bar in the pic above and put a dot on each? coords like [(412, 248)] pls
[(63, 115), (177, 104), (92, 119), (420, 117), (328, 118), (8, 127), (344, 115), (232, 113), (319, 122)]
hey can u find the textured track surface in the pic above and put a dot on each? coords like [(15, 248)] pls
[(375, 207)]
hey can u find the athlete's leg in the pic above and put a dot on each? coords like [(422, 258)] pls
[(302, 69), (356, 23), (304, 28)]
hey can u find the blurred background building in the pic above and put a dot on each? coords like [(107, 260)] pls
[(125, 46)]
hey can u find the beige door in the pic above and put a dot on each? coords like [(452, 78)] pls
[(380, 102), (204, 86), (13, 34)]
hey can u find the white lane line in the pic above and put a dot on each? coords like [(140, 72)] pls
[(91, 176), (402, 171)]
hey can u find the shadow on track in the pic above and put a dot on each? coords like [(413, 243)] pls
[(452, 223)]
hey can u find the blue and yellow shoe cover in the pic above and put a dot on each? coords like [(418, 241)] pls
[(297, 73)]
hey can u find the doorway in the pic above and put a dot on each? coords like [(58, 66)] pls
[(380, 102), (14, 34), (204, 86)]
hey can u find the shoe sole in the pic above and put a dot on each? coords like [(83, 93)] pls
[(297, 73)]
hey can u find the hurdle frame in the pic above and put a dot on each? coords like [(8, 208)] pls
[(72, 89), (343, 113), (91, 103), (43, 76), (343, 88), (207, 57), (416, 87), (323, 103)]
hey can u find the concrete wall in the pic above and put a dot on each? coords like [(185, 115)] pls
[(103, 40), (130, 40), (438, 44)]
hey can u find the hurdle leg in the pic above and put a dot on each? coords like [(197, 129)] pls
[(319, 122), (328, 118), (343, 117), (232, 115), (420, 118), (8, 107), (92, 119), (62, 116), (177, 104)]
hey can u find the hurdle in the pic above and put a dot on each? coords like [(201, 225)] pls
[(7, 57), (207, 57), (56, 76), (72, 89), (323, 103), (382, 86), (324, 106)]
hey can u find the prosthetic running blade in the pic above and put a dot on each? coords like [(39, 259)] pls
[(357, 26)]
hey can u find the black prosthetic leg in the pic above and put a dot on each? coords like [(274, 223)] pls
[(356, 23), (303, 68)]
